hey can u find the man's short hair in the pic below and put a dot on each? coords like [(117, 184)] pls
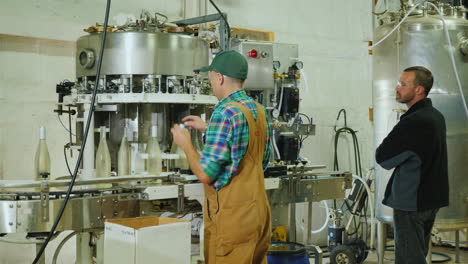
[(423, 77), (235, 80)]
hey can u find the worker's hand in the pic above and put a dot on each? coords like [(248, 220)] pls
[(194, 122), (181, 137)]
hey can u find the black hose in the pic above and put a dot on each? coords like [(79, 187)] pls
[(357, 152), (344, 114), (66, 160), (358, 167), (83, 144), (224, 18), (301, 139)]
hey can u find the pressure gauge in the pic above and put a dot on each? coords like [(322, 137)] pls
[(298, 65), (275, 113), (276, 65)]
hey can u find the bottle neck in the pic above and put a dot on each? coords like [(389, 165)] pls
[(103, 132), (42, 133), (154, 131)]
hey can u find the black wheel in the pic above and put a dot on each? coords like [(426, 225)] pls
[(360, 247), (342, 254)]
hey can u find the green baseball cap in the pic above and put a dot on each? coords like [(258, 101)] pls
[(230, 63)]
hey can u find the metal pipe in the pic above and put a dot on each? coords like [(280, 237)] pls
[(25, 241), (372, 210), (224, 29), (198, 20), (292, 222), (307, 168), (84, 251), (452, 241), (7, 184), (382, 241), (317, 174), (88, 155), (21, 241), (309, 223), (457, 246), (429, 253)]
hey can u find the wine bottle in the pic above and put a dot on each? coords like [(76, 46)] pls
[(42, 158), (154, 161), (182, 162), (103, 161), (123, 157)]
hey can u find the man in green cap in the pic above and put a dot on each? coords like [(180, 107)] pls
[(236, 209)]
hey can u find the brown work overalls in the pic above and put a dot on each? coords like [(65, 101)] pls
[(237, 217)]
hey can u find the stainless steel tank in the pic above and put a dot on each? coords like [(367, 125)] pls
[(141, 53), (420, 41)]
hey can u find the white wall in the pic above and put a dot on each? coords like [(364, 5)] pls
[(326, 31), (31, 67), (65, 20), (332, 36)]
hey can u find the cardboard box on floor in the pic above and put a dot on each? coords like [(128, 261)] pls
[(147, 239)]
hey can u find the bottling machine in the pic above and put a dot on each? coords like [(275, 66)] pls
[(148, 82)]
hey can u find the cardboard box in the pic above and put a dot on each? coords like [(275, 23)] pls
[(147, 239)]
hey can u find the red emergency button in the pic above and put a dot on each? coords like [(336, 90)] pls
[(253, 54)]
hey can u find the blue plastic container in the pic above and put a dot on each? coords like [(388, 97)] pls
[(287, 253)]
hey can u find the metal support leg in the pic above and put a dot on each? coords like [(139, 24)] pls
[(457, 246), (292, 223), (84, 253), (309, 224), (42, 259), (318, 255), (100, 248), (381, 241), (180, 197), (429, 253), (88, 155), (292, 209)]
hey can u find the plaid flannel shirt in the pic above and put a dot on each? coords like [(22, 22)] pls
[(227, 138)]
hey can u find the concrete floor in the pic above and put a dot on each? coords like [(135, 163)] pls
[(388, 259), (372, 258)]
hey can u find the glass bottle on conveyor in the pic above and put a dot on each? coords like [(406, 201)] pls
[(103, 161), (123, 156), (182, 162), (42, 158), (154, 160)]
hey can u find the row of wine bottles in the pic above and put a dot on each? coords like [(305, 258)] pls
[(103, 161)]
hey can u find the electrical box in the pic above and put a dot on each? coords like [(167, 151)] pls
[(259, 56), (286, 54)]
